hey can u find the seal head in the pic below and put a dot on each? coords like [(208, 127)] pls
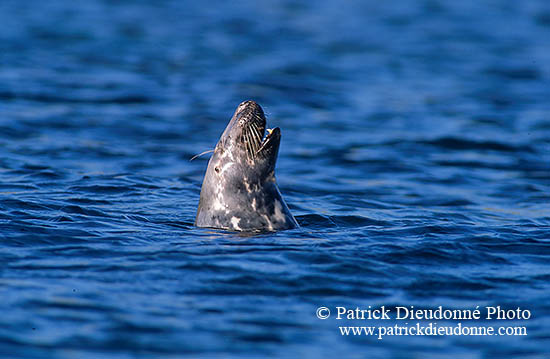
[(239, 191)]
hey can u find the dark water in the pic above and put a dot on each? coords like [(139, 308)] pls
[(415, 155)]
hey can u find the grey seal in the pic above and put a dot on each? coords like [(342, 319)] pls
[(239, 191)]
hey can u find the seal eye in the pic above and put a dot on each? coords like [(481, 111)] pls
[(217, 169)]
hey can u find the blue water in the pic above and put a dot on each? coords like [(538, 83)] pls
[(415, 155)]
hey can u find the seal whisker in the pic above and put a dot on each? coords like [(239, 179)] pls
[(252, 136), (248, 144), (200, 154), (252, 142), (257, 117), (250, 130), (258, 137)]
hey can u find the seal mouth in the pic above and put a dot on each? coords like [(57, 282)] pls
[(272, 135)]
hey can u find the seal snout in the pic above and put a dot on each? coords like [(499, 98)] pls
[(251, 122), (250, 104), (250, 111)]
